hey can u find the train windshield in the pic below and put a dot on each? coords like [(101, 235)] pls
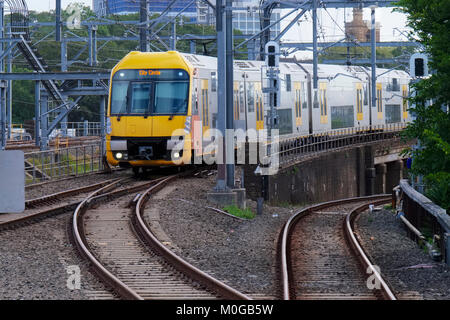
[(150, 92)]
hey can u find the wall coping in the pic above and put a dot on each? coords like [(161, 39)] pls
[(439, 213)]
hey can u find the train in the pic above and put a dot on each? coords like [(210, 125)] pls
[(161, 99)]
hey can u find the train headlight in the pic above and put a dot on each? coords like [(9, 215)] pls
[(176, 155), (119, 155)]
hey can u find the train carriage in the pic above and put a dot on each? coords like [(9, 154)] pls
[(162, 105)]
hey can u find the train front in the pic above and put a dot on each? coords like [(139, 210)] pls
[(148, 118)]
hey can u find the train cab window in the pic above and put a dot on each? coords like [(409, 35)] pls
[(140, 93), (288, 82), (118, 97), (171, 97), (251, 96)]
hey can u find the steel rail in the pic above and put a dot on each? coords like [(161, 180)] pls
[(359, 251), (285, 234), (179, 263), (81, 242), (37, 202)]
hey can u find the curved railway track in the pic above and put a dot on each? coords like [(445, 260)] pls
[(109, 232), (321, 258), (49, 205)]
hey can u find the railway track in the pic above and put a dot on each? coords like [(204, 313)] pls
[(109, 231), (48, 205), (321, 258)]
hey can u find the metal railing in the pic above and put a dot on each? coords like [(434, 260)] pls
[(429, 218), (291, 150), (77, 129), (57, 163)]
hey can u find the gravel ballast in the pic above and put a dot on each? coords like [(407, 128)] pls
[(405, 265), (34, 261), (241, 253)]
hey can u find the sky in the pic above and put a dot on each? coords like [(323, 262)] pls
[(46, 5), (331, 22)]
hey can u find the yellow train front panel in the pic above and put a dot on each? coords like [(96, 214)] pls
[(149, 110)]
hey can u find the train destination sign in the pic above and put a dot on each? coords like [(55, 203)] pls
[(144, 74)]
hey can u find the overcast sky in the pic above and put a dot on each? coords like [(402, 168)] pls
[(331, 22)]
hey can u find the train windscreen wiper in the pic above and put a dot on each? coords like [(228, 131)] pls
[(178, 108)]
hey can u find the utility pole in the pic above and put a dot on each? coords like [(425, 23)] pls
[(2, 83), (373, 61), (58, 20), (229, 94), (221, 93), (315, 54), (143, 17)]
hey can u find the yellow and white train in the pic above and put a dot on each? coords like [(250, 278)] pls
[(153, 94)]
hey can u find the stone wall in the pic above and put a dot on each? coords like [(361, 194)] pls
[(326, 176)]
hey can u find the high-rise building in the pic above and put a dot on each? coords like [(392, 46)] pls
[(105, 7), (249, 21), (99, 7)]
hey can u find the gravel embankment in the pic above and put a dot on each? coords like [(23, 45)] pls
[(406, 266), (34, 261), (241, 253)]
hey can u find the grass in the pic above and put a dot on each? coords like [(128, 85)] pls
[(241, 213)]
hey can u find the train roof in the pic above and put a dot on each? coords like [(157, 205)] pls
[(174, 59), (324, 70), (153, 60)]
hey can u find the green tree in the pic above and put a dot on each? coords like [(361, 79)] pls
[(431, 21)]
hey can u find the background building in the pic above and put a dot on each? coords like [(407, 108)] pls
[(247, 21), (359, 29), (105, 7)]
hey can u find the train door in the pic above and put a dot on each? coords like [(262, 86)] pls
[(323, 103), (405, 101), (298, 103), (379, 101), (359, 102), (259, 107), (205, 108)]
